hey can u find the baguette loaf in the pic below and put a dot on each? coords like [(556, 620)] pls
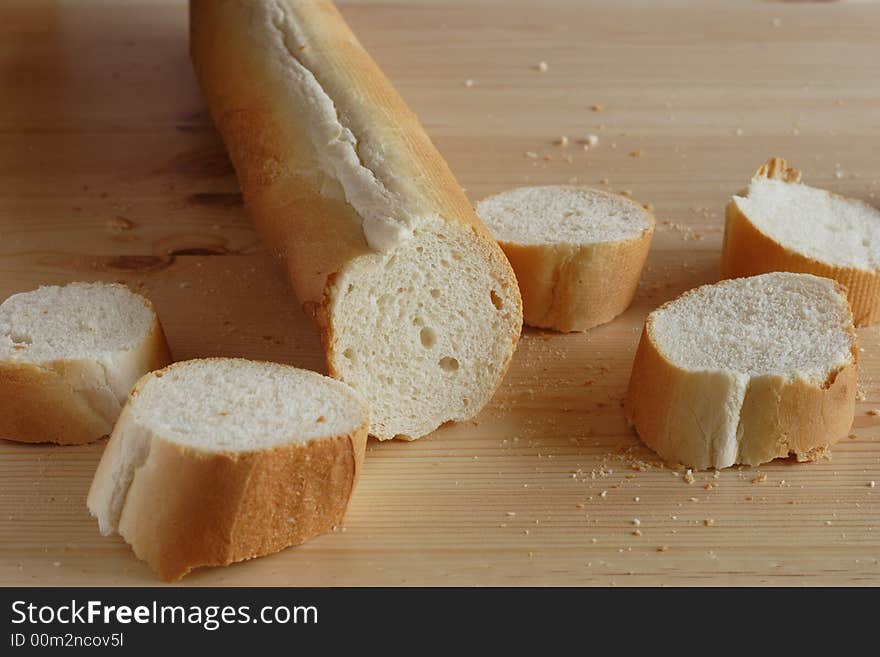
[(69, 356), (745, 371), (577, 253), (417, 306), (218, 460), (780, 224)]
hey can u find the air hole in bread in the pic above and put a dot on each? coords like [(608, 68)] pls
[(18, 338), (349, 354), (435, 293), (496, 300), (448, 364), (428, 337)]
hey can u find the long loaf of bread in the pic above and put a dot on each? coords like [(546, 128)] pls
[(417, 306)]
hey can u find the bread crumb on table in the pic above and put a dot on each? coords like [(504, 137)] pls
[(709, 522), (542, 66), (597, 107), (663, 548), (874, 411), (760, 479), (562, 141)]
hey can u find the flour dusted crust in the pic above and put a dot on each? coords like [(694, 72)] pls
[(748, 251), (336, 205)]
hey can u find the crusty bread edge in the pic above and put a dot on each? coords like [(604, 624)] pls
[(788, 416), (43, 407), (575, 287), (747, 251), (186, 508)]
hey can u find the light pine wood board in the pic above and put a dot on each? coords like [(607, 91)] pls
[(110, 169)]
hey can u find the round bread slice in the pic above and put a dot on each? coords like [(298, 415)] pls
[(745, 371), (780, 224), (577, 253), (69, 356), (219, 460)]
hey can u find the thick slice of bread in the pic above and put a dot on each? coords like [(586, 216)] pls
[(68, 358), (780, 224), (218, 460), (745, 371), (417, 306), (577, 253)]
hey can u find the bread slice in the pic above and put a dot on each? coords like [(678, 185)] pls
[(219, 460), (417, 306), (69, 356), (577, 253), (780, 224), (745, 371)]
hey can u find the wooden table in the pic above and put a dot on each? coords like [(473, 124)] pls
[(110, 169)]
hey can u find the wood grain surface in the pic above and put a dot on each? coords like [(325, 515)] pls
[(110, 169)]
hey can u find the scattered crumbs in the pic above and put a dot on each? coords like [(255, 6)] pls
[(636, 522), (626, 192), (694, 499), (872, 484), (542, 66), (592, 140), (760, 479), (511, 514), (603, 181), (636, 499), (828, 522), (594, 540), (874, 411), (717, 474), (638, 153), (604, 493), (580, 505), (526, 532), (689, 476), (597, 107), (649, 207), (710, 486), (663, 548), (531, 155), (637, 532), (708, 522), (321, 418), (120, 224), (748, 498), (562, 141), (853, 436), (469, 83)]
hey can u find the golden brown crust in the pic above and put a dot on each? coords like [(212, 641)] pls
[(570, 287), (747, 251), (778, 417), (187, 508), (299, 211), (40, 405)]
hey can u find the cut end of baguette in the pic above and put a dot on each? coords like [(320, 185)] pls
[(218, 460), (780, 224), (745, 371), (565, 243), (560, 214), (424, 332), (69, 356)]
